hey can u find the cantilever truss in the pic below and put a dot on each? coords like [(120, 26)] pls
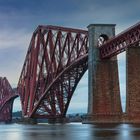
[(7, 96), (55, 62)]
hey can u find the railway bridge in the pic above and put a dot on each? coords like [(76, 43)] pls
[(56, 60)]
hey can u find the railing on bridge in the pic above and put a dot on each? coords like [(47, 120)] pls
[(118, 44)]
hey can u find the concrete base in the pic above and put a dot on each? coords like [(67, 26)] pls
[(58, 120), (104, 118), (133, 118), (28, 121), (112, 119)]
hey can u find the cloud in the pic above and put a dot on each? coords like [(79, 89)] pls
[(14, 39), (13, 48), (100, 12)]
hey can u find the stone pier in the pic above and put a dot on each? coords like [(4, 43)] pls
[(104, 104), (133, 84)]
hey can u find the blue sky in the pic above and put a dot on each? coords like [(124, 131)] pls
[(18, 20)]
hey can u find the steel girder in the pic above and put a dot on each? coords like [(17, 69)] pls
[(55, 62), (7, 96), (119, 43)]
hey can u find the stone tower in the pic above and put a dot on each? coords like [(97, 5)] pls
[(104, 104)]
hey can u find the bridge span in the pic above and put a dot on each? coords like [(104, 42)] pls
[(7, 96), (56, 60)]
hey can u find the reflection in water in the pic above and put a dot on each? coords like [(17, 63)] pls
[(136, 133), (105, 133), (106, 125), (70, 132)]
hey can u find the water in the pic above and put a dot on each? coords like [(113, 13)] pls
[(73, 131)]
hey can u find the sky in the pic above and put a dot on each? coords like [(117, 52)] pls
[(18, 20)]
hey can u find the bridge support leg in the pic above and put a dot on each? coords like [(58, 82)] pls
[(28, 121), (133, 84), (104, 93), (58, 120)]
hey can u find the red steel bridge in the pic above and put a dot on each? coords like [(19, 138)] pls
[(56, 60), (7, 96)]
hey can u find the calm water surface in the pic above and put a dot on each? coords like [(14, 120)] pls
[(73, 131)]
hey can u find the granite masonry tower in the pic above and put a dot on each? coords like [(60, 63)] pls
[(104, 104)]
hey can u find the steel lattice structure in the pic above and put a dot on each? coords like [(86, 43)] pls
[(118, 44), (7, 96), (55, 62)]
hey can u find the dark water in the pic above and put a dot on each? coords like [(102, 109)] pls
[(72, 131)]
